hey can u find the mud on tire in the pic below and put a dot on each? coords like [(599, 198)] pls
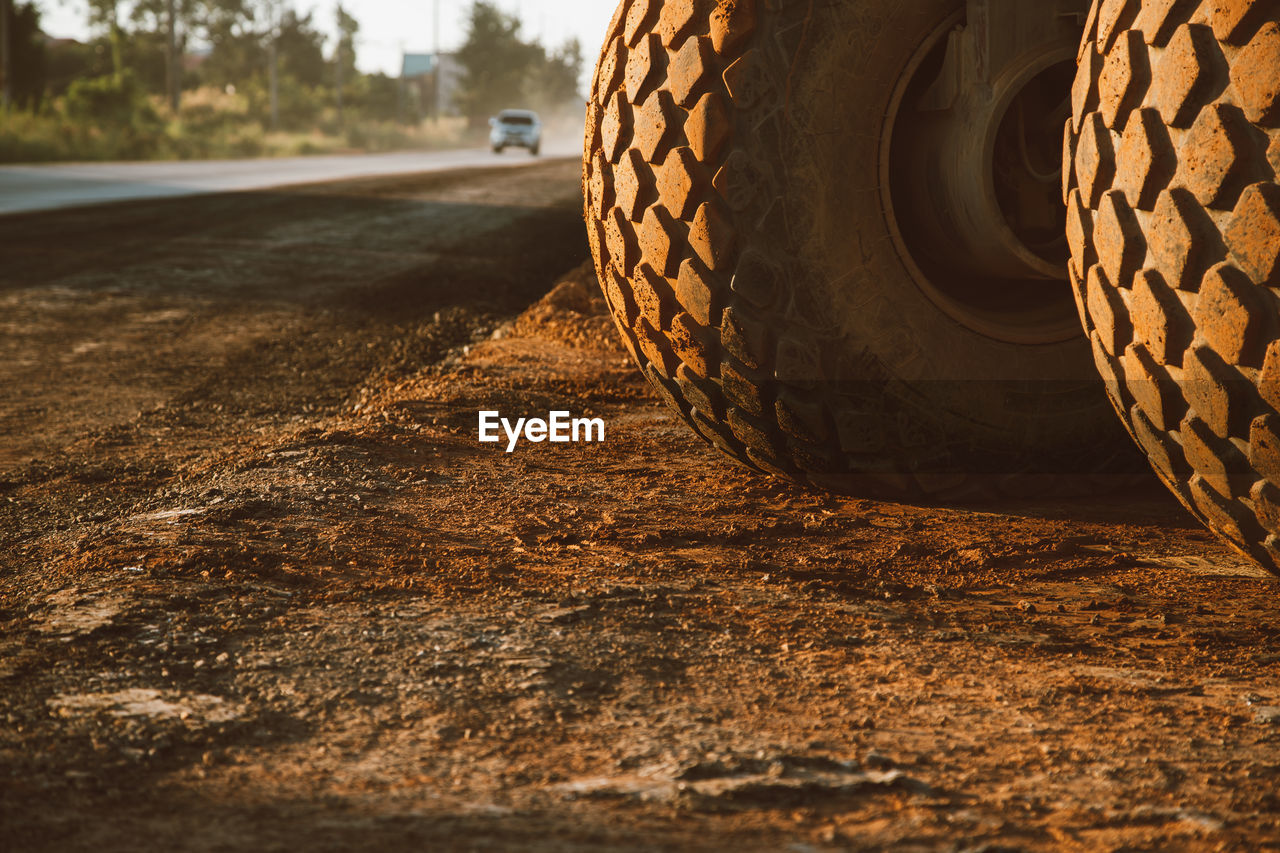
[(1174, 224), (739, 234)]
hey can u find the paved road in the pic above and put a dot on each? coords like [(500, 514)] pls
[(43, 187)]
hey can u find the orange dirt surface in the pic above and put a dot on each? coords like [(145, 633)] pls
[(261, 587)]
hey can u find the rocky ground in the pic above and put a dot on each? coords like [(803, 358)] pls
[(262, 588)]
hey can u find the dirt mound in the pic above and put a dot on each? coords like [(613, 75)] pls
[(574, 313)]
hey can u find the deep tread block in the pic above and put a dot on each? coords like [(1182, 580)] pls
[(1107, 312), (1159, 19), (643, 69), (741, 390), (1165, 454), (1118, 236), (756, 435), (1256, 77), (1152, 389), (1253, 234), (801, 419), (745, 338), (691, 344), (1229, 318), (695, 295), (1264, 447), (702, 393), (653, 344), (1114, 17), (707, 127), (1185, 75), (715, 430), (1179, 240), (1269, 378), (1214, 164), (658, 242), (632, 186), (731, 23), (1194, 150), (1217, 462), (1095, 160), (679, 179), (1145, 160), (1124, 78), (691, 71), (653, 297), (1213, 391), (1160, 321), (711, 236)]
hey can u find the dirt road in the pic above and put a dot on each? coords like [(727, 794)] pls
[(262, 588)]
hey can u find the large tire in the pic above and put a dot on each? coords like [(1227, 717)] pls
[(732, 178), (1174, 225)]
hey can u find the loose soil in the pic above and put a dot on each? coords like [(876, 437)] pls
[(262, 588)]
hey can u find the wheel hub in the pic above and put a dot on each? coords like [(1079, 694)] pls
[(974, 167)]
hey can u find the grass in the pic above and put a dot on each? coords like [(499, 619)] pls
[(211, 125)]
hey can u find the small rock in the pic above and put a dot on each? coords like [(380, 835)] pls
[(1268, 715), (878, 760)]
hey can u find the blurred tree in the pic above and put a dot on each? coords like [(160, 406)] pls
[(143, 54), (68, 61), (496, 62), (104, 18), (26, 56), (238, 55), (344, 60), (301, 49), (376, 97), (152, 47), (554, 86), (242, 57)]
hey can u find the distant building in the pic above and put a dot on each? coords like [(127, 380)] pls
[(194, 58), (418, 84)]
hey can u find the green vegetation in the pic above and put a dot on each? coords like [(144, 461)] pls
[(249, 78), (212, 125), (503, 70)]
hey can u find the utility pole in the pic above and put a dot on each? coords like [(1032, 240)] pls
[(339, 54), (6, 65), (174, 80), (400, 90), (273, 71), (438, 70), (275, 86)]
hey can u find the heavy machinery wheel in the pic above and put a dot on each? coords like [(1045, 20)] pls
[(1174, 225), (763, 198)]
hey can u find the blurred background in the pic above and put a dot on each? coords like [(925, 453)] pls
[(201, 79)]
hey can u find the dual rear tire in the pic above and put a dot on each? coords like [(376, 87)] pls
[(759, 260)]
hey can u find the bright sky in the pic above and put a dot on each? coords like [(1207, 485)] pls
[(389, 26)]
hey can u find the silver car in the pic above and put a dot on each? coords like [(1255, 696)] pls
[(516, 129)]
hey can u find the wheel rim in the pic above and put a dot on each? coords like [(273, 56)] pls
[(1008, 281)]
